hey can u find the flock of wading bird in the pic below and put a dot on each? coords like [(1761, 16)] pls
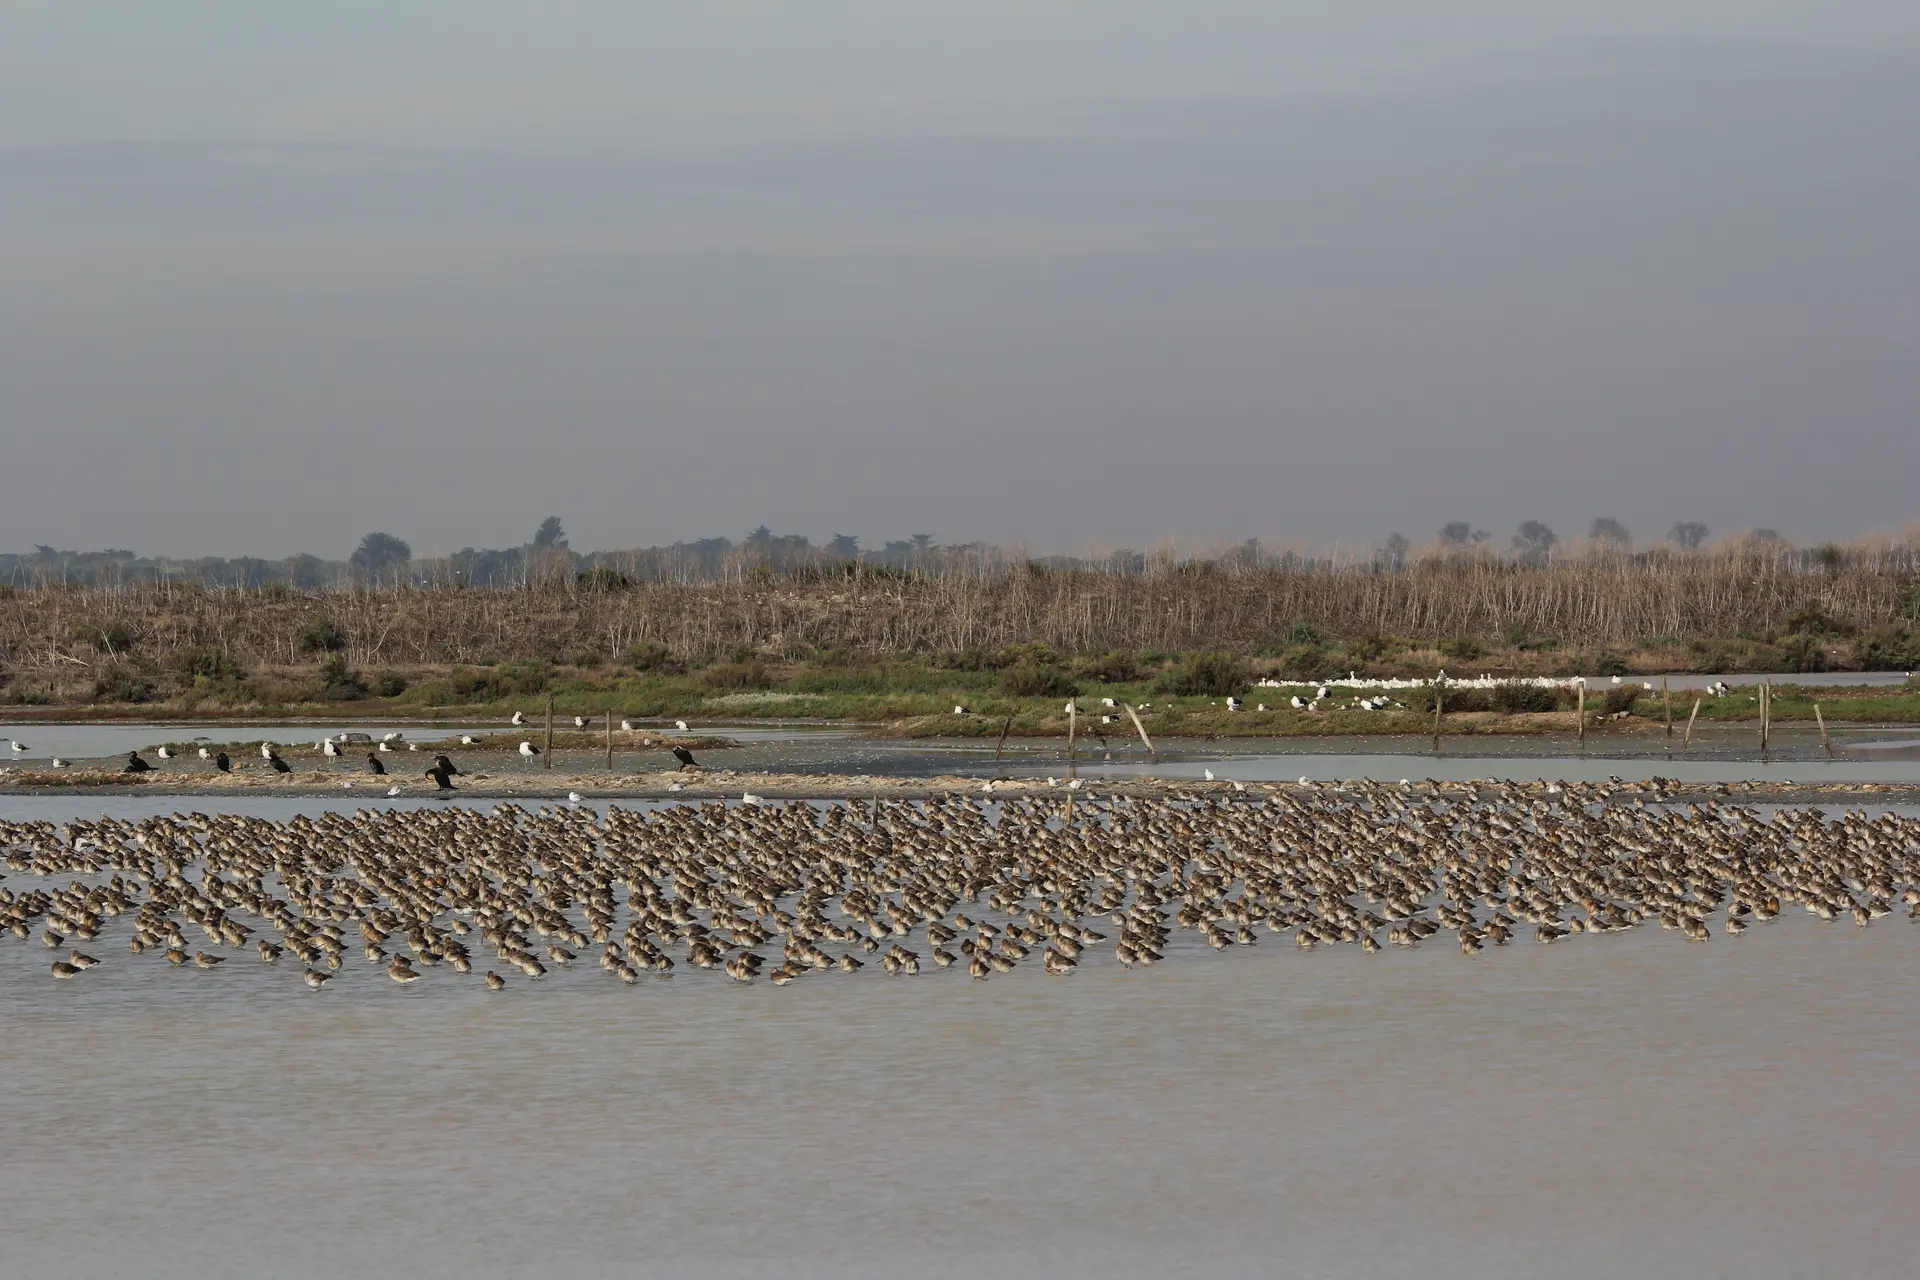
[(948, 882)]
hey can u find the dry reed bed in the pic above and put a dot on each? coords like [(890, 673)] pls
[(1595, 603)]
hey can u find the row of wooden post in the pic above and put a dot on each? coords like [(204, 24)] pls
[(1439, 710)]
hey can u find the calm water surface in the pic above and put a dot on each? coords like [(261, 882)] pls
[(1628, 1105)]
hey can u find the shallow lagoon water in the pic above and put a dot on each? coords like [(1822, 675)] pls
[(1615, 1106), (1626, 1105)]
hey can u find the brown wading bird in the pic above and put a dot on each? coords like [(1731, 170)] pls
[(993, 889)]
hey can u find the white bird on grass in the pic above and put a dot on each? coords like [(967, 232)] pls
[(1297, 702), (959, 710), (162, 752), (681, 725)]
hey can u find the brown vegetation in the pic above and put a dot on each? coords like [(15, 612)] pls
[(65, 636)]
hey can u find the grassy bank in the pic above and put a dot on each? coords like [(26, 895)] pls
[(1023, 690)]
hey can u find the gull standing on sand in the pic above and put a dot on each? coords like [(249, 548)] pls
[(519, 718), (162, 752), (528, 751)]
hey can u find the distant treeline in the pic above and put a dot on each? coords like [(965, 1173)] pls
[(382, 560), (1856, 604)]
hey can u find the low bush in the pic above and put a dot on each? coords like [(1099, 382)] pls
[(1112, 667), (1802, 653), (322, 636), (337, 682), (650, 657), (751, 674), (124, 682), (389, 684), (1622, 699), (206, 662), (1215, 674), (1037, 680), (115, 637), (1890, 648), (1523, 699)]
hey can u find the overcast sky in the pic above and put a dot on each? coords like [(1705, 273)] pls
[(274, 275)]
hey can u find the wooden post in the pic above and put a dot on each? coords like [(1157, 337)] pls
[(1073, 763), (1666, 700), (1766, 709), (1581, 691), (1823, 730), (1135, 717), (609, 739), (1439, 706), (1690, 719), (549, 751), (998, 772)]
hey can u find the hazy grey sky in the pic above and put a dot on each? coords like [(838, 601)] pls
[(272, 275)]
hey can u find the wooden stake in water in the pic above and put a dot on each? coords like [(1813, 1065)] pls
[(1666, 700), (1135, 717), (1823, 730), (549, 751), (1073, 764), (1580, 691), (998, 772), (609, 739), (1439, 705), (1694, 715), (1766, 706)]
